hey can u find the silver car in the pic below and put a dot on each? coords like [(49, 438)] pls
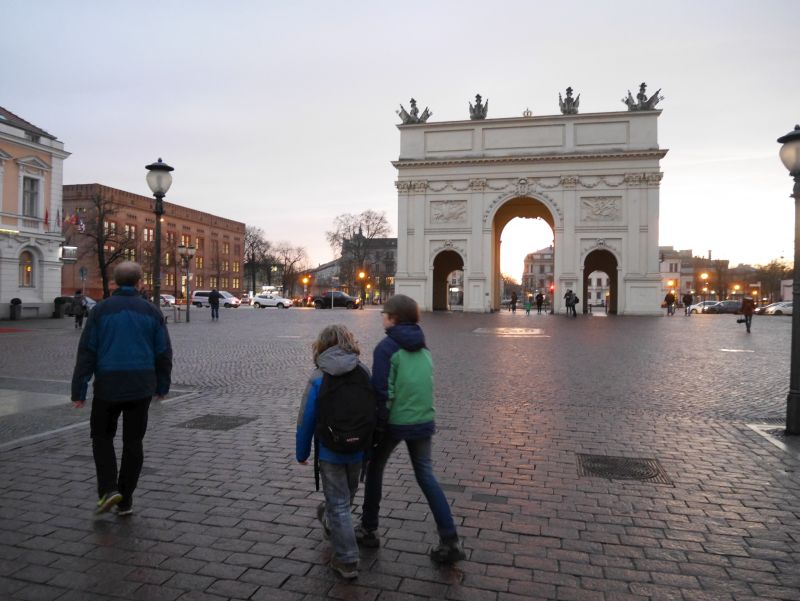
[(267, 299)]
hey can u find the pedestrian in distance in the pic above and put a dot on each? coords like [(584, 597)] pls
[(339, 389), (748, 308), (79, 308), (213, 301), (687, 302), (402, 375), (126, 348), (513, 302), (669, 301), (528, 305), (539, 303)]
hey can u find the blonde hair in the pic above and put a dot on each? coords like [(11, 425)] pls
[(334, 335)]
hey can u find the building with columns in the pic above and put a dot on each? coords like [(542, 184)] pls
[(593, 177), (31, 174)]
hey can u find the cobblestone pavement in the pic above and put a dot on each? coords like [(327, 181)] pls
[(520, 401)]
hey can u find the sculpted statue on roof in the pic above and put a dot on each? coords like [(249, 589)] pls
[(642, 102), (413, 115)]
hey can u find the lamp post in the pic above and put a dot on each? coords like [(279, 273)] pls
[(187, 254), (159, 179), (361, 276), (305, 289), (704, 277), (790, 156)]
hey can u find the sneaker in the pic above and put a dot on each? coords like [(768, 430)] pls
[(367, 538), (323, 520), (107, 501), (448, 552), (345, 570), (124, 509)]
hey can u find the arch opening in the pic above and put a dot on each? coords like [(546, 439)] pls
[(445, 264), (523, 243), (600, 281)]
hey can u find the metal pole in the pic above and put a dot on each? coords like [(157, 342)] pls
[(188, 289), (159, 211), (793, 398)]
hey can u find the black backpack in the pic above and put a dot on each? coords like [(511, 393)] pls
[(346, 412)]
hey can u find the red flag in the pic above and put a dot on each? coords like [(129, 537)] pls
[(46, 218)]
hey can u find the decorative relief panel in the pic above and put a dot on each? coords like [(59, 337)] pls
[(601, 208), (527, 184), (448, 211)]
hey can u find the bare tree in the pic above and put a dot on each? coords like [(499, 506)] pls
[(107, 240), (351, 236), (771, 275), (256, 248), (292, 260)]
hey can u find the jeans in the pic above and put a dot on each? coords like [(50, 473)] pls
[(748, 319), (103, 426), (214, 311), (339, 484), (420, 453)]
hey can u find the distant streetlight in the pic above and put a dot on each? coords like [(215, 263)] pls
[(305, 288), (362, 276), (187, 254), (790, 156), (159, 180)]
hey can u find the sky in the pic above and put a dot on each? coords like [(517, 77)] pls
[(282, 114)]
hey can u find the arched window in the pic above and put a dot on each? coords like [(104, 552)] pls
[(26, 269)]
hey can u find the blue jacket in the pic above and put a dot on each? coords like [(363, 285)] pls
[(407, 337), (334, 361), (125, 346)]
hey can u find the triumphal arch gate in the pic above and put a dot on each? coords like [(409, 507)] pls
[(593, 177)]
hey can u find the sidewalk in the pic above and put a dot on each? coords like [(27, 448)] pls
[(523, 414)]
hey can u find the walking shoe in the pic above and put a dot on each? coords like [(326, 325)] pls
[(323, 520), (448, 552), (345, 570), (367, 538), (124, 509), (107, 501)]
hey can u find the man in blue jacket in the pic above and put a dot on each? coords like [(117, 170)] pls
[(126, 348)]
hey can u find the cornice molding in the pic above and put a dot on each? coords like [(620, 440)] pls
[(544, 158)]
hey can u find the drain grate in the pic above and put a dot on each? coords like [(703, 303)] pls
[(216, 422), (622, 468)]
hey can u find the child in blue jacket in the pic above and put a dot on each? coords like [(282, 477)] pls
[(335, 352)]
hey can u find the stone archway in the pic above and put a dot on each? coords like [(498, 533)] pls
[(519, 206), (605, 261), (445, 263)]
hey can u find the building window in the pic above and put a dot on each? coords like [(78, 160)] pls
[(148, 235), (599, 282), (129, 254), (30, 197), (224, 283), (26, 269), (166, 259), (130, 231), (213, 281), (598, 295), (186, 239), (198, 262), (236, 267), (147, 278), (171, 238), (235, 283), (170, 277), (226, 248), (198, 281), (226, 266), (199, 244)]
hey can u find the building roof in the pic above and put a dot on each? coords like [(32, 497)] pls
[(13, 120)]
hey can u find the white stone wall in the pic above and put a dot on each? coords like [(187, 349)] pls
[(597, 175)]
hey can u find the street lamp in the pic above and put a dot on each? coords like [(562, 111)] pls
[(704, 277), (362, 276), (790, 156), (305, 288), (159, 179), (187, 254)]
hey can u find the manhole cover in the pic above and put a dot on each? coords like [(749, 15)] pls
[(216, 422), (622, 468)]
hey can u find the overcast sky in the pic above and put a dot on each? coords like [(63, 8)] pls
[(282, 114)]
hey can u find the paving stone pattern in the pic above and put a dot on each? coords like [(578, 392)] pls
[(228, 514)]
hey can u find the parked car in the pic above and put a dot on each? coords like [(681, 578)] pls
[(784, 308), (267, 299), (726, 306), (167, 300), (339, 299), (200, 299), (701, 306), (762, 310)]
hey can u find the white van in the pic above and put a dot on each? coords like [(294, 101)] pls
[(200, 299)]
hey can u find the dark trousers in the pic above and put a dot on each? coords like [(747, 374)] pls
[(214, 311), (103, 426)]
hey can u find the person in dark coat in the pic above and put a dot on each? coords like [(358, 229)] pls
[(748, 308), (213, 300), (539, 302), (126, 349)]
